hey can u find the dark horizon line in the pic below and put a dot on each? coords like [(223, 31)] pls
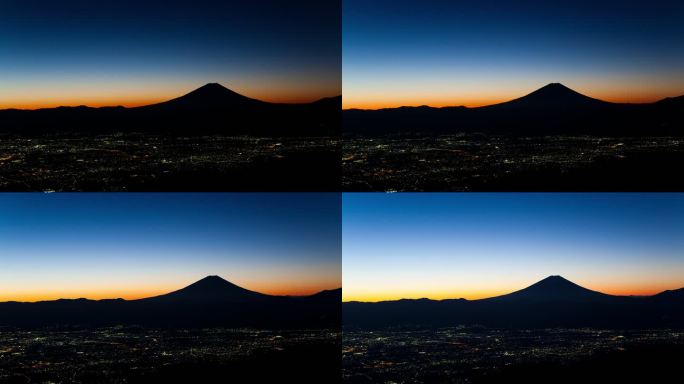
[(144, 298), (503, 102), (164, 101), (487, 298)]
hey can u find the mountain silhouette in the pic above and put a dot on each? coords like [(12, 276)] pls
[(329, 295), (554, 95), (671, 294), (210, 288), (210, 109), (209, 302), (552, 109), (551, 302), (210, 96), (553, 288)]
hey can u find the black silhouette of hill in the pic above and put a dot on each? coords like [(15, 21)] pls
[(554, 96), (209, 109), (209, 302), (208, 97), (677, 294), (330, 295), (552, 288), (210, 288), (552, 302), (552, 109)]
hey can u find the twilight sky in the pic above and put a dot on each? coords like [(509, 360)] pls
[(454, 52), (137, 245), (472, 245), (130, 53)]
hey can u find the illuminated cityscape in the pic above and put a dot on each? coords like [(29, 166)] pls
[(466, 162)]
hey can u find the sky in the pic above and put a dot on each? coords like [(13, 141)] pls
[(473, 53), (129, 245), (126, 52), (471, 245)]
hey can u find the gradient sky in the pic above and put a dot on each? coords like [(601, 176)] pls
[(473, 245), (126, 52), (451, 52), (137, 245)]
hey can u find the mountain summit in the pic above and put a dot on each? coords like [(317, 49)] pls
[(552, 288), (553, 95), (211, 288), (210, 96)]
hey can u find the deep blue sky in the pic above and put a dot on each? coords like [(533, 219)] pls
[(477, 245), (451, 52), (133, 245), (132, 52)]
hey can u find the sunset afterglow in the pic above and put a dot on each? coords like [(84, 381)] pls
[(133, 246), (451, 53), (468, 245), (128, 53)]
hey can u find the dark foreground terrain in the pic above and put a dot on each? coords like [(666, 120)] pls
[(143, 355), (155, 162), (486, 355), (472, 162)]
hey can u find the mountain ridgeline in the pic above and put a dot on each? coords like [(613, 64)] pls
[(552, 302), (551, 110), (210, 302), (211, 109)]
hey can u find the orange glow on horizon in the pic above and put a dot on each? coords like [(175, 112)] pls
[(78, 103), (434, 103), (480, 102), (443, 295), (635, 290), (135, 95), (91, 295), (35, 295), (132, 103)]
